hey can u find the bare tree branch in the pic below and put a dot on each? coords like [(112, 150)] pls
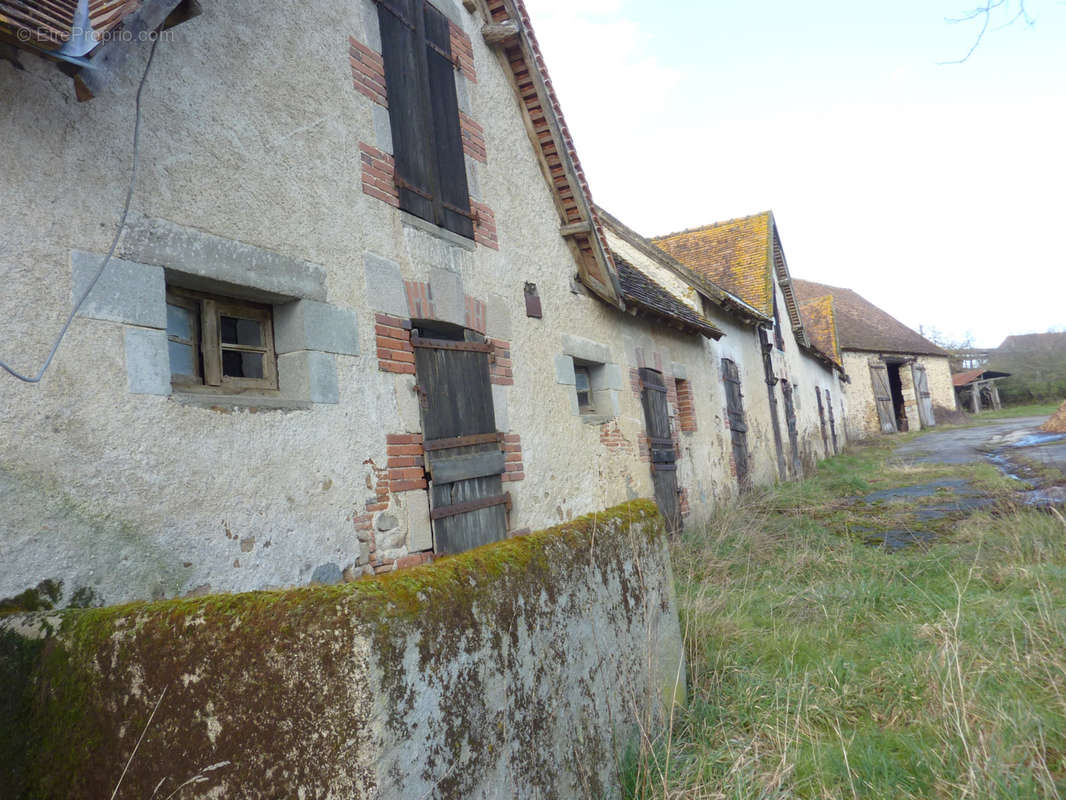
[(984, 13)]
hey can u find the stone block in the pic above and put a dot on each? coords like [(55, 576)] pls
[(462, 93), (564, 370), (605, 402), (586, 349), (126, 292), (310, 325), (473, 183), (497, 318), (384, 286), (446, 289), (419, 531), (500, 396), (204, 260), (382, 129), (607, 376), (308, 375), (368, 12), (327, 573), (147, 362)]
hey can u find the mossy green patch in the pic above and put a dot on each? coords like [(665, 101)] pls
[(268, 663)]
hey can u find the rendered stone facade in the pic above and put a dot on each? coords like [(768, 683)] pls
[(259, 185)]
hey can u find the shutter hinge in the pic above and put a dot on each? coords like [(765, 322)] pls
[(402, 184)]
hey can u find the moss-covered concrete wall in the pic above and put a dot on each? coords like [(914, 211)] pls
[(519, 669)]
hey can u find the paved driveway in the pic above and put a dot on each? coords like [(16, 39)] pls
[(967, 445)]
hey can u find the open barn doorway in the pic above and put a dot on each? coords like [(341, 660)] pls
[(895, 386)]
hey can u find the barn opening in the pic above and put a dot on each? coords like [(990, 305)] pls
[(895, 386)]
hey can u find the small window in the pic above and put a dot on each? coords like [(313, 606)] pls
[(583, 385), (219, 344)]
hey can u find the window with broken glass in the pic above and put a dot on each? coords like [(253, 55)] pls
[(219, 344)]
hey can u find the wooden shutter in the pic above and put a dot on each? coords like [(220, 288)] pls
[(661, 445), (925, 397), (403, 55), (832, 420), (454, 207), (821, 419), (738, 424), (883, 397), (793, 429)]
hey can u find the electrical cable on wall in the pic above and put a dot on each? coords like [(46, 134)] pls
[(114, 241)]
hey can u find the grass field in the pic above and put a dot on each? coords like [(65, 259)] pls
[(822, 667), (1011, 412)]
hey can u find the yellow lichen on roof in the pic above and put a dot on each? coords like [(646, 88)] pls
[(734, 254), (820, 321)]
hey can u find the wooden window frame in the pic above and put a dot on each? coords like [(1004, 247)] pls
[(208, 346), (590, 406)]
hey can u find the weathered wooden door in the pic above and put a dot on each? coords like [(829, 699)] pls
[(771, 381), (883, 397), (661, 445), (832, 421), (925, 397), (821, 419), (464, 456), (738, 423), (793, 428)]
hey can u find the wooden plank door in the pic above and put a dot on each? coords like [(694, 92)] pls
[(883, 397), (464, 455), (738, 423), (821, 419), (771, 382), (661, 445), (925, 397), (793, 428), (832, 421)]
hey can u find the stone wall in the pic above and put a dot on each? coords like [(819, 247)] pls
[(520, 669), (862, 420)]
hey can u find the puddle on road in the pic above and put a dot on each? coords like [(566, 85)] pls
[(1046, 498), (920, 490), (1034, 439), (897, 540)]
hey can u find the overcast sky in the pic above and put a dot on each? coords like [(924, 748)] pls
[(935, 191)]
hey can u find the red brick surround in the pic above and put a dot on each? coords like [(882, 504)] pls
[(393, 336), (500, 365), (462, 52), (379, 174), (513, 467), (473, 138), (368, 72)]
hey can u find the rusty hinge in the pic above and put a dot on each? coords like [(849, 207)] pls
[(402, 184), (470, 216), (423, 396)]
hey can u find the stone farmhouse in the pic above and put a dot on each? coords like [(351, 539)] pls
[(898, 378), (363, 310)]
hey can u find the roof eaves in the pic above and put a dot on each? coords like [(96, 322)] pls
[(784, 278), (520, 56), (706, 287)]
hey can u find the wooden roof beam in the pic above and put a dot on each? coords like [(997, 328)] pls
[(500, 34)]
